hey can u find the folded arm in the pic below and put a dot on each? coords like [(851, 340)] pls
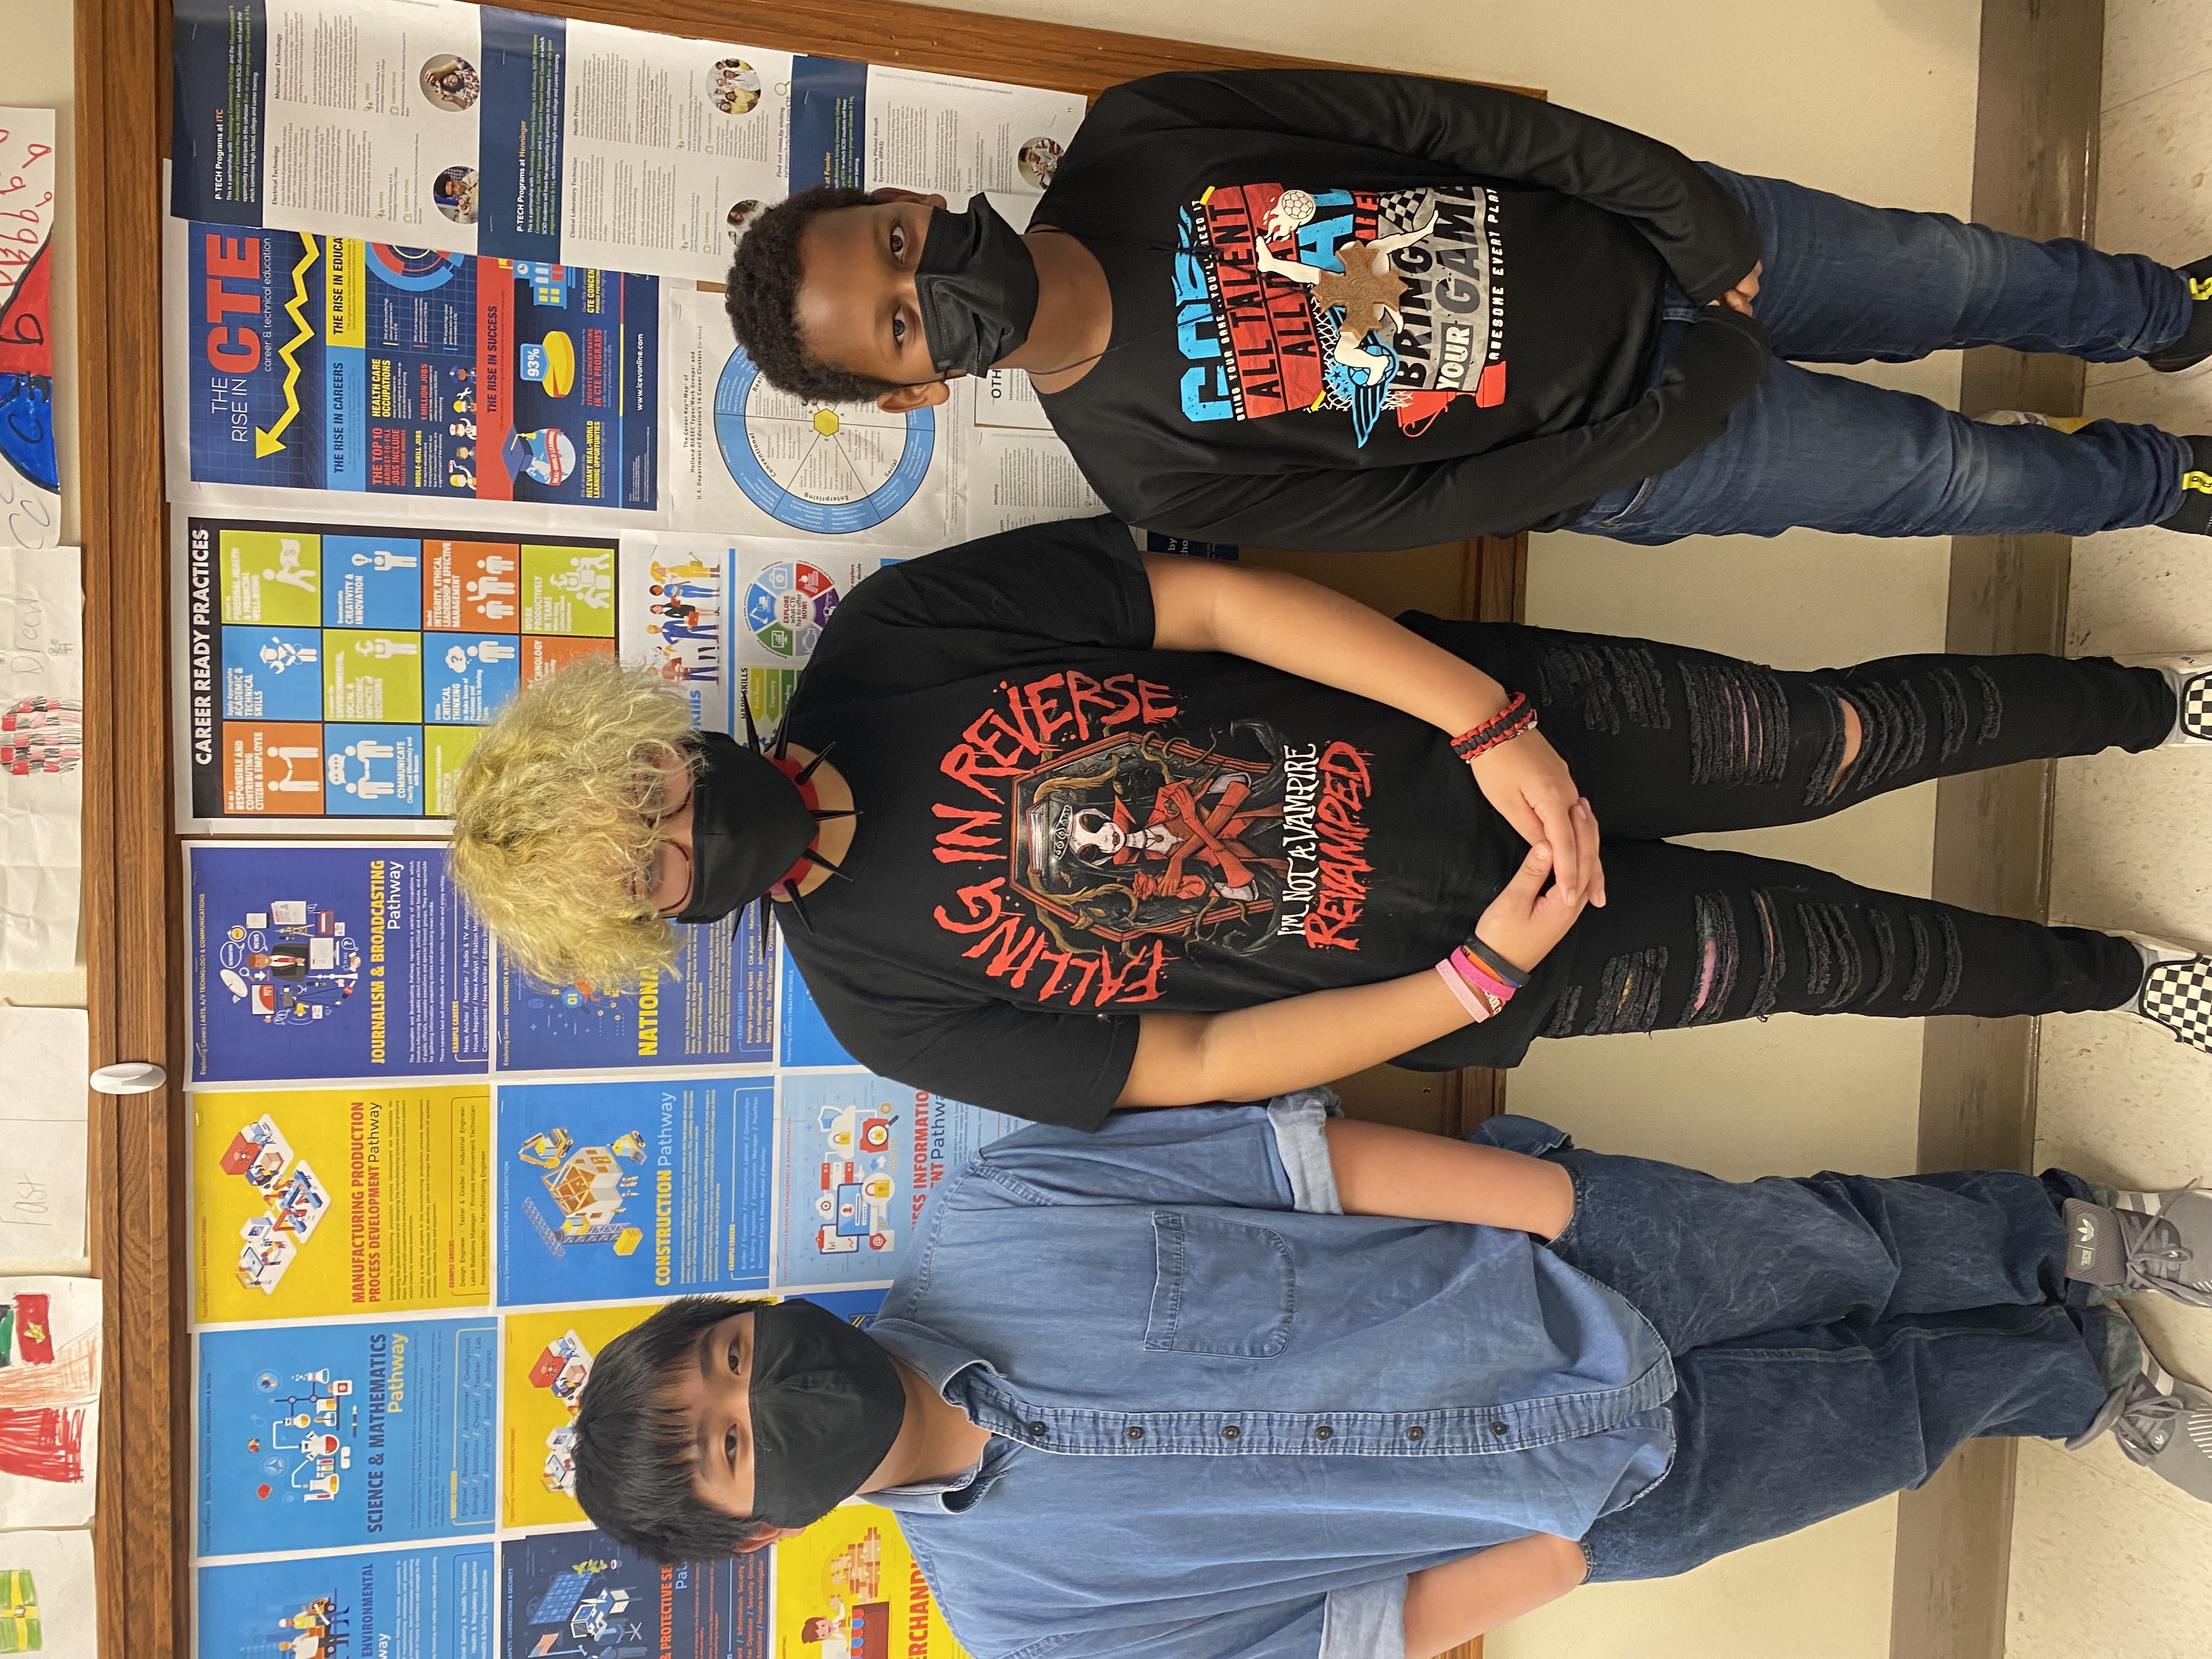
[(1708, 242)]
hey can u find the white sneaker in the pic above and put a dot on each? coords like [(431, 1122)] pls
[(2177, 989), (2189, 675)]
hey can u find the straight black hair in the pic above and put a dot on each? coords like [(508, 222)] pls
[(635, 1452)]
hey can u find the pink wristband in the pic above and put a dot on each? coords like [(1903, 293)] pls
[(1461, 991), (1478, 974)]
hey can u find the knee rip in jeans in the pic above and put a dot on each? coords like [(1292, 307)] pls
[(1616, 685), (1924, 951), (1774, 956), (1712, 975), (1835, 968), (1628, 993), (1739, 716), (1892, 733)]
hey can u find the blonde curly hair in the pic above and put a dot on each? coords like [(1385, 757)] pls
[(551, 840)]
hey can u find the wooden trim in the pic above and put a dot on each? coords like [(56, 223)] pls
[(2035, 145), (140, 1531), (1036, 54)]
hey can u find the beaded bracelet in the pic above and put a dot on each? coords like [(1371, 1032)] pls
[(1507, 723)]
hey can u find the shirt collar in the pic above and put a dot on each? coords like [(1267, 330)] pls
[(943, 1364)]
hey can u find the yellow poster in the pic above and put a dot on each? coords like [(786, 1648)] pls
[(847, 1589), (549, 1357), (313, 1202)]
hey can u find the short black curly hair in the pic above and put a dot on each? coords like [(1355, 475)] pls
[(762, 301)]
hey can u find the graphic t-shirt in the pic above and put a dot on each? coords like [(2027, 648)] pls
[(1357, 311), (1061, 830)]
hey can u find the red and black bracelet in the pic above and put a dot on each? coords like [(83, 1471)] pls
[(1507, 723)]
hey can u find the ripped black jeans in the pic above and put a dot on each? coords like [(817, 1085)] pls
[(1668, 741)]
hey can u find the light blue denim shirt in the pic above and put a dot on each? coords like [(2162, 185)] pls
[(1231, 1420)]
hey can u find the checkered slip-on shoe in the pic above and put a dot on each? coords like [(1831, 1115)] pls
[(2190, 674), (2177, 990)]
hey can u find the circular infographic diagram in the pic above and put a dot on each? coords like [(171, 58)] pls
[(786, 605), (829, 470)]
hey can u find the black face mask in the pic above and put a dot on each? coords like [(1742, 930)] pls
[(977, 286), (749, 825), (827, 1403)]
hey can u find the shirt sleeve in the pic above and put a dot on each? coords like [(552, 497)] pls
[(1270, 1155), (1502, 491), (1705, 237), (1365, 1623), (1059, 1068), (1073, 581)]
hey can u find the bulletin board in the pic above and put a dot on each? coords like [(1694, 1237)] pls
[(139, 905)]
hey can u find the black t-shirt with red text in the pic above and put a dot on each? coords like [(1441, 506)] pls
[(1061, 830)]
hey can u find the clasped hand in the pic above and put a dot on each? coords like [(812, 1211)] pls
[(1532, 789)]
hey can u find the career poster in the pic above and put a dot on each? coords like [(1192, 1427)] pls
[(848, 1584), (580, 1592), (547, 1362), (434, 1603), (860, 1157), (328, 1436), (342, 671), (634, 1189), (316, 1202), (805, 1037), (332, 961), (315, 363), (715, 1004)]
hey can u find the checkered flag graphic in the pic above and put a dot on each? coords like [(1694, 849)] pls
[(2178, 996)]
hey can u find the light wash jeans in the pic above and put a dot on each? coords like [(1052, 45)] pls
[(1848, 284)]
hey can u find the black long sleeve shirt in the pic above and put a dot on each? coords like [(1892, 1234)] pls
[(1356, 311)]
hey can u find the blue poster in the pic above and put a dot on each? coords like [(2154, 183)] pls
[(807, 1039), (332, 961), (322, 363), (581, 1593), (828, 122), (715, 1006), (860, 1156), (611, 1191), (381, 1604), (326, 1436)]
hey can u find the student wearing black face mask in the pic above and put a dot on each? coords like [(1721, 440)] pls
[(1343, 312), (1059, 827), (1254, 1383)]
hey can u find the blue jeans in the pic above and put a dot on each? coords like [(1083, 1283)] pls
[(1835, 1337), (1847, 283)]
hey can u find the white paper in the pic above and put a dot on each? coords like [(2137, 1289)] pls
[(362, 139), (954, 137), (1004, 398), (49, 1402), (54, 1595), (45, 1055), (41, 748), (672, 145), (1022, 478), (30, 509), (740, 459)]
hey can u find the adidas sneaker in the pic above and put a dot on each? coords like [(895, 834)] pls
[(2164, 1423), (2157, 1242)]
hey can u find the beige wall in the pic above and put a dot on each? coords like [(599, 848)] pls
[(1870, 98)]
